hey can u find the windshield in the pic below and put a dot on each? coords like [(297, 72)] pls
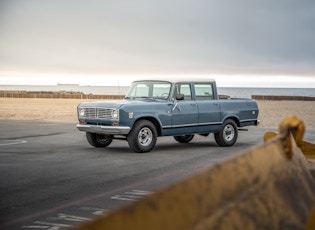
[(149, 89)]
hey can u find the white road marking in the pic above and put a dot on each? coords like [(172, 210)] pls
[(67, 217), (53, 224), (36, 227), (124, 197), (96, 211), (46, 225), (131, 195), (63, 217), (138, 192), (13, 142)]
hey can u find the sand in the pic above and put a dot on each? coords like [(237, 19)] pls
[(271, 112)]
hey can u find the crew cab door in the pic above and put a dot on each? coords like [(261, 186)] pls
[(209, 118), (184, 111)]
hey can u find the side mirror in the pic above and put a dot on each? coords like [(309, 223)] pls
[(180, 97)]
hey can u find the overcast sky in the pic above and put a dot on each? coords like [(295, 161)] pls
[(253, 38)]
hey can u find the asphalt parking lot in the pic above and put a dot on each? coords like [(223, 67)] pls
[(50, 177)]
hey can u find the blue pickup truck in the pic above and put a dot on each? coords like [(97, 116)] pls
[(177, 108)]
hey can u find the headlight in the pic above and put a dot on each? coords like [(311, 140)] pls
[(115, 114), (81, 112)]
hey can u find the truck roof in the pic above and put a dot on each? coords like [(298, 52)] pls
[(178, 79)]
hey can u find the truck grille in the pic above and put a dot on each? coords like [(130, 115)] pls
[(97, 113)]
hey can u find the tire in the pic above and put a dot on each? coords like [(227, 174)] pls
[(228, 134), (99, 140), (184, 138), (142, 138)]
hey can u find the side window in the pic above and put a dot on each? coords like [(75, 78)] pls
[(183, 88), (203, 91), (161, 90)]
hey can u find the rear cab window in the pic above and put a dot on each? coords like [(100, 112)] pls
[(204, 91)]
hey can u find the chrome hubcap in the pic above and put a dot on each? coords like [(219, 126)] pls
[(228, 133), (145, 136)]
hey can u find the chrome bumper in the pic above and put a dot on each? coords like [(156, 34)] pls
[(123, 130)]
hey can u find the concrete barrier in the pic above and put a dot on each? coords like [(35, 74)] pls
[(282, 98), (63, 95), (267, 187)]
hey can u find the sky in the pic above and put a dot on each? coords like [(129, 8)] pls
[(103, 42)]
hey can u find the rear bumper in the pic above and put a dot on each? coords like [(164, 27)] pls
[(122, 130)]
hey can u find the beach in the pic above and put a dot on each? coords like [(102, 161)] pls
[(270, 112)]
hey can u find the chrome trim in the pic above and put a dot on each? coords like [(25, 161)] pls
[(179, 126), (191, 125), (248, 120), (210, 123), (123, 130), (98, 113)]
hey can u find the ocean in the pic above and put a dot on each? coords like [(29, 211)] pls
[(234, 92), (248, 92)]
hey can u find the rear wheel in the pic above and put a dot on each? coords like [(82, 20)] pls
[(184, 138), (142, 137), (227, 136), (98, 139)]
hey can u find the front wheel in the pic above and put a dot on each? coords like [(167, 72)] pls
[(98, 139), (142, 137), (227, 135), (184, 138)]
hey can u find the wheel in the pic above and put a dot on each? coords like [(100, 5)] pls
[(227, 136), (98, 139), (142, 137), (184, 138)]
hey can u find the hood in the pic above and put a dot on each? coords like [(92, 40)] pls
[(115, 103)]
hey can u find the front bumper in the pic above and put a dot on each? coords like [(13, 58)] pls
[(111, 130)]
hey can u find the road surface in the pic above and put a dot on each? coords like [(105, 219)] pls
[(51, 178)]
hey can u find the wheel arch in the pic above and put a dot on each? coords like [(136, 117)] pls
[(234, 118), (154, 121)]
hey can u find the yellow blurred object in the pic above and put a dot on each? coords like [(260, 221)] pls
[(296, 127)]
